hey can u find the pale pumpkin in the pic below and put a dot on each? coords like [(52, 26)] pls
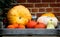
[(19, 14), (46, 17)]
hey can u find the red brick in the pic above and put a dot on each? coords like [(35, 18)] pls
[(35, 10), (41, 5), (56, 9), (27, 5), (48, 0), (39, 14), (48, 9), (41, 9), (58, 0), (55, 5), (34, 1), (21, 1), (57, 14)]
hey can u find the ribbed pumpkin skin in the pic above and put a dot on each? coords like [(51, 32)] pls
[(19, 14), (46, 17)]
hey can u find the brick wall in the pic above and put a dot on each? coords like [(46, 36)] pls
[(41, 6)]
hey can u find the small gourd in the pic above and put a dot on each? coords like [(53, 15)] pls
[(50, 25)]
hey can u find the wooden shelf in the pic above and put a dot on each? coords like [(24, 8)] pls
[(14, 32)]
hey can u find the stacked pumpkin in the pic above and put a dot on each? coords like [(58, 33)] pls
[(20, 17)]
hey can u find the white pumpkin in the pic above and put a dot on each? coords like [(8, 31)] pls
[(45, 18)]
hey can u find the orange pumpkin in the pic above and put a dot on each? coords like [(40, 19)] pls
[(11, 26), (14, 25), (21, 26)]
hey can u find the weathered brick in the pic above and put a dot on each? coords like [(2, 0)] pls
[(34, 1), (56, 9), (21, 1), (41, 5), (57, 14), (48, 1), (27, 5), (39, 14), (35, 10), (55, 5), (41, 9), (48, 9), (58, 0)]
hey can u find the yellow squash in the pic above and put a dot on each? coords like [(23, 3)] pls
[(19, 14)]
